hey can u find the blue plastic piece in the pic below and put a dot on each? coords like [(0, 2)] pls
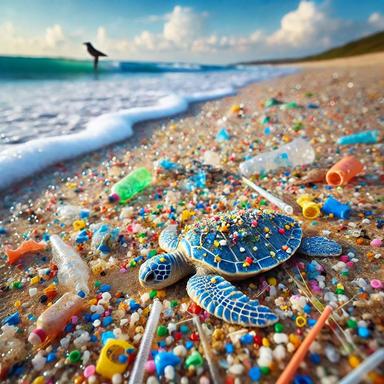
[(163, 359), (340, 210), (106, 336), (51, 357), (229, 348), (105, 288), (3, 230), (223, 135), (246, 339), (13, 319), (363, 332), (255, 373), (302, 379), (107, 321), (168, 165), (365, 137)]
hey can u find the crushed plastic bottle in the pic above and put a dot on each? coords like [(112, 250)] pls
[(103, 237), (131, 185), (53, 320), (68, 213), (73, 272), (297, 152)]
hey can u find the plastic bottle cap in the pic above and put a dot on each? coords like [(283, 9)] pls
[(114, 197), (37, 336)]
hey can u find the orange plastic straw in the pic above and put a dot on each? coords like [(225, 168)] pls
[(28, 246), (343, 171), (298, 357)]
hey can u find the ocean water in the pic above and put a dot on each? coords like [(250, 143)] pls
[(54, 109)]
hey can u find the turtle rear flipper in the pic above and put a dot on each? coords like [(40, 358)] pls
[(319, 246), (168, 239), (221, 299)]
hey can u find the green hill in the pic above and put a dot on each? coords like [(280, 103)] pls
[(369, 44)]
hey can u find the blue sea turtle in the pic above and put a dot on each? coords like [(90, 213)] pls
[(229, 247)]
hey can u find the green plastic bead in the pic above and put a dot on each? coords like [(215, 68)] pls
[(339, 291), (279, 327), (74, 356), (17, 285), (174, 303), (162, 331), (194, 359), (152, 253), (153, 294), (97, 284), (351, 323), (264, 370)]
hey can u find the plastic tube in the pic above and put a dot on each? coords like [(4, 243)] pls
[(299, 355), (273, 199), (340, 210), (310, 209), (207, 348), (365, 137), (367, 365), (343, 171), (137, 374), (73, 272)]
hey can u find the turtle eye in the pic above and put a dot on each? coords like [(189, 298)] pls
[(150, 277)]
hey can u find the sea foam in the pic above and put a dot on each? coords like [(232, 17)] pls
[(159, 97)]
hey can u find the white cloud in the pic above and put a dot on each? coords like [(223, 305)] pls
[(54, 36), (183, 26), (376, 20), (301, 26)]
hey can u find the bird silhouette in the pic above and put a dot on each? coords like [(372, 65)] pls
[(94, 53)]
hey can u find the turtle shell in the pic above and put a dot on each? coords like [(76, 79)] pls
[(243, 243)]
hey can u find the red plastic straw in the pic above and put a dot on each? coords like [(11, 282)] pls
[(298, 357)]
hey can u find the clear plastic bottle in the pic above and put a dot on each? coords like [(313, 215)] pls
[(73, 272), (54, 319), (131, 185), (297, 152)]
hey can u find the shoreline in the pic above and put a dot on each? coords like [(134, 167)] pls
[(344, 100)]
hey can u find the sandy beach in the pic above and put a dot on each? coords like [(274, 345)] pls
[(333, 99)]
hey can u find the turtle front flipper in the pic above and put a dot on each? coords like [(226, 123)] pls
[(221, 299), (168, 239), (319, 246)]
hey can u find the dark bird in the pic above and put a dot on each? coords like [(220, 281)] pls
[(95, 53)]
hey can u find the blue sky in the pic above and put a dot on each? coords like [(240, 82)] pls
[(197, 31)]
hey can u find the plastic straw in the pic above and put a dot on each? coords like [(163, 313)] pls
[(273, 199), (137, 374), (366, 366), (207, 348), (298, 357)]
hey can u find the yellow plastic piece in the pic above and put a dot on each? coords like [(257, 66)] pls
[(272, 281), (354, 361), (78, 225), (301, 321), (265, 342), (310, 209), (108, 363), (35, 280), (39, 380), (236, 108)]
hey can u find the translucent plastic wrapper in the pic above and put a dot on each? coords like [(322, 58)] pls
[(297, 152), (73, 272)]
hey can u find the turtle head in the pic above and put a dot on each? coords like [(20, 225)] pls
[(163, 270)]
